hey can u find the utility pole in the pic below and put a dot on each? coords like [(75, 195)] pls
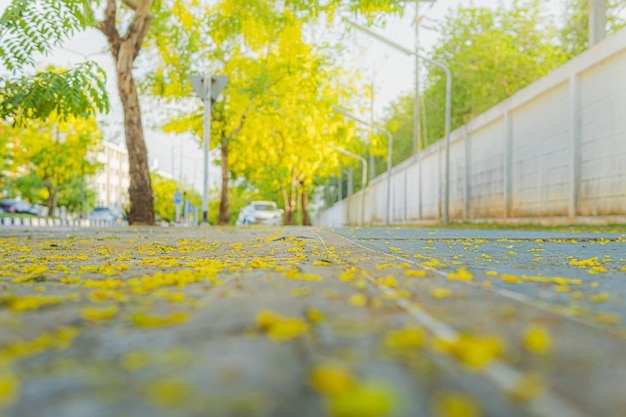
[(417, 134), (597, 21)]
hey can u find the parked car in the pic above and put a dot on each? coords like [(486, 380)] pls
[(260, 212), (107, 214), (17, 206)]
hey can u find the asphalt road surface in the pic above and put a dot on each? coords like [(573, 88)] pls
[(134, 322)]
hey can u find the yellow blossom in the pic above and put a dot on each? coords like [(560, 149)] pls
[(94, 313), (357, 300), (145, 320), (473, 351), (462, 274), (280, 328), (405, 338), (415, 273), (330, 380), (537, 339), (362, 400), (451, 404), (440, 292), (9, 389)]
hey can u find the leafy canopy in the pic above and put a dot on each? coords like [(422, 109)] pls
[(29, 28)]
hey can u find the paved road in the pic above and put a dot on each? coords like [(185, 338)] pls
[(579, 274), (302, 322)]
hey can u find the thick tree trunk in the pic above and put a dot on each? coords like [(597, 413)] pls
[(140, 189), (224, 216), (306, 220), (124, 50)]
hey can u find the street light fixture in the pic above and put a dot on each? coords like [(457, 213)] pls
[(389, 153), (448, 103), (208, 87), (363, 178)]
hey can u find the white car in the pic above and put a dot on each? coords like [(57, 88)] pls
[(260, 212)]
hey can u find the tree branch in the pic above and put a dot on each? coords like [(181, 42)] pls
[(107, 27), (139, 27), (131, 4)]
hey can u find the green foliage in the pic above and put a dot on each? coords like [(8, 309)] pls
[(55, 152), (164, 189), (574, 35), (79, 91), (492, 54), (28, 27), (31, 27)]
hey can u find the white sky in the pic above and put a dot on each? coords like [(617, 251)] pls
[(393, 74)]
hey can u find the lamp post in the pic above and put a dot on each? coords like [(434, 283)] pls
[(363, 178), (389, 154), (448, 104), (208, 87)]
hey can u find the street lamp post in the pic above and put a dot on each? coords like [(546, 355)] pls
[(207, 87), (363, 178), (448, 105), (389, 154)]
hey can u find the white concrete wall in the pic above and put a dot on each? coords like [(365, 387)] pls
[(554, 150)]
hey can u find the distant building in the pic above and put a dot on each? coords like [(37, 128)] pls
[(112, 180)]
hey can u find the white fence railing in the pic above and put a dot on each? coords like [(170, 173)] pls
[(51, 222), (555, 150)]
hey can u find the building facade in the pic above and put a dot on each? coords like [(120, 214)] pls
[(112, 180)]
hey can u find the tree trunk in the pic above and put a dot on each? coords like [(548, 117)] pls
[(306, 220), (124, 50), (140, 189), (224, 216), (288, 215), (52, 198)]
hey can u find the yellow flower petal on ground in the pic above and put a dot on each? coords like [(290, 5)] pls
[(265, 318), (330, 380), (169, 392), (176, 297), (299, 292), (511, 279), (608, 318), (365, 400), (455, 405), (360, 284), (286, 329), (278, 327), (134, 361), (415, 273), (440, 292), (405, 338), (9, 389), (314, 316), (145, 320), (357, 300), (528, 387), (348, 275), (473, 351), (32, 302), (537, 340), (462, 274), (599, 298), (388, 281), (94, 313)]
